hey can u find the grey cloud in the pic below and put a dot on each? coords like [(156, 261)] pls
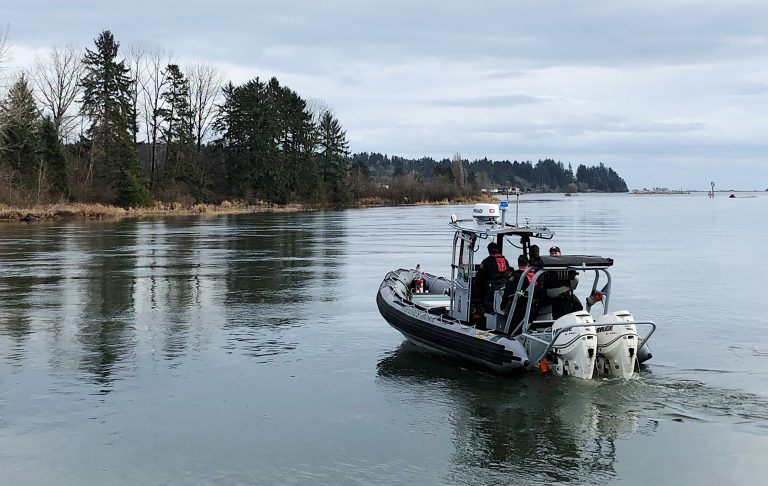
[(577, 126), (521, 36), (504, 74), (349, 81), (489, 101), (749, 89)]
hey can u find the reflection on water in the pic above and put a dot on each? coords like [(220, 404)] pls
[(102, 293), (525, 427), (535, 429)]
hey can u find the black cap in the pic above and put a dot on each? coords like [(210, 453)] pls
[(492, 246)]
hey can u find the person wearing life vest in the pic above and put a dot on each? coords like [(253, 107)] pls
[(492, 275)]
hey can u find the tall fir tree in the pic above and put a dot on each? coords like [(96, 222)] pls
[(51, 153), (19, 138), (245, 123), (106, 104), (177, 132), (332, 157), (296, 129)]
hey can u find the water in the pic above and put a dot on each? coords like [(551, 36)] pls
[(249, 350)]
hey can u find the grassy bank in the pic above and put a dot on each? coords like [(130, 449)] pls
[(378, 201), (82, 211)]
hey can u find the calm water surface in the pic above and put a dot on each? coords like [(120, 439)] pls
[(249, 350)]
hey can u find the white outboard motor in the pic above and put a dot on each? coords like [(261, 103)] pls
[(576, 349), (486, 213), (616, 344)]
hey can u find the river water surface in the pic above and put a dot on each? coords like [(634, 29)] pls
[(249, 350)]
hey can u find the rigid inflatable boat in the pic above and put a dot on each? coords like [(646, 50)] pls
[(513, 329)]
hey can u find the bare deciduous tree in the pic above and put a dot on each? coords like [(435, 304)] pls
[(134, 59), (57, 78), (153, 82), (457, 167), (317, 108), (205, 81), (4, 49)]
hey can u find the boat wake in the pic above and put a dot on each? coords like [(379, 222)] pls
[(648, 398)]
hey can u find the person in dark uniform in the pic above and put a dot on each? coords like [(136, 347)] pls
[(492, 275), (514, 279), (538, 294), (511, 288), (534, 257), (560, 286)]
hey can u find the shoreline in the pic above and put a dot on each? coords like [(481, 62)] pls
[(103, 212)]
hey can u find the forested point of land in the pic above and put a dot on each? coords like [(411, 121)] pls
[(131, 128)]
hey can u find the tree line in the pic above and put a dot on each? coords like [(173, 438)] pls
[(545, 175), (99, 126), (129, 127)]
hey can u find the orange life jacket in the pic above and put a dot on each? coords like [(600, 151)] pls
[(501, 263)]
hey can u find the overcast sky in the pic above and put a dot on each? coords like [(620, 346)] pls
[(667, 92)]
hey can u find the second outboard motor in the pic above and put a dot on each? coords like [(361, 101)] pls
[(576, 348), (616, 344)]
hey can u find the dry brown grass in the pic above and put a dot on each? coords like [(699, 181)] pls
[(482, 198), (80, 211), (379, 201)]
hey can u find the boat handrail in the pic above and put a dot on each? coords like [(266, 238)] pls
[(541, 232), (554, 337), (538, 324), (525, 324), (591, 324), (555, 268), (647, 337)]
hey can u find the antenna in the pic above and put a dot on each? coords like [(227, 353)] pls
[(517, 204)]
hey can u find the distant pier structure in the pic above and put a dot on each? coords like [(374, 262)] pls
[(711, 193)]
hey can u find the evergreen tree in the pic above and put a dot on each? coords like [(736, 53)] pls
[(247, 138), (177, 133), (52, 155), (295, 168), (106, 104), (332, 153), (546, 175), (267, 139), (600, 178), (18, 139)]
